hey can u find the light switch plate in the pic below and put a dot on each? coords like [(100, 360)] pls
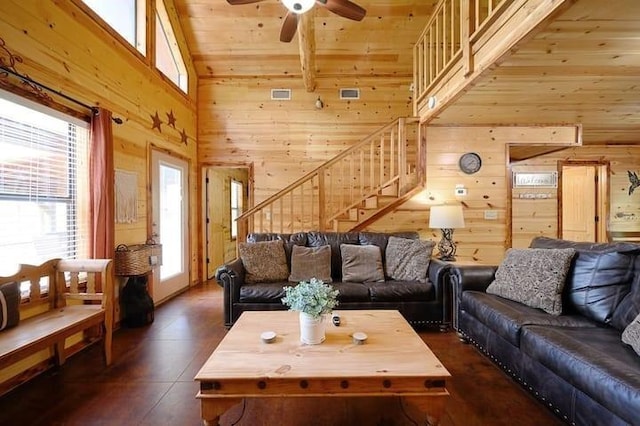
[(491, 214)]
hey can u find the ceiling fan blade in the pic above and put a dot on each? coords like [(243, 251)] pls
[(345, 8), (235, 2), (289, 27)]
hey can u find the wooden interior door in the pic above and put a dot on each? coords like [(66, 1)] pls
[(579, 203)]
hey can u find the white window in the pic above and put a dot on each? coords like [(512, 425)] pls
[(43, 184), (236, 206), (168, 56), (126, 17)]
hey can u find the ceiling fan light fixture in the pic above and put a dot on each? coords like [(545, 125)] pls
[(299, 6)]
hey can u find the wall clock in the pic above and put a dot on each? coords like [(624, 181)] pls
[(470, 162)]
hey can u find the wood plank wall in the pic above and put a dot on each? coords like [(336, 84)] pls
[(63, 47), (482, 240), (534, 217), (286, 139)]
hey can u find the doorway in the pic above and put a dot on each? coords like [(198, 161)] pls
[(220, 210), (170, 219), (583, 207)]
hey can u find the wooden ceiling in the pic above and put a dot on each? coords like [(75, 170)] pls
[(243, 40), (584, 67)]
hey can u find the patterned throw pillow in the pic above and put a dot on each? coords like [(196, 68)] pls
[(361, 263), (9, 305), (408, 260), (534, 277), (631, 334), (264, 261), (310, 262)]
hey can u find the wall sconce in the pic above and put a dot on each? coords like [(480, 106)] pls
[(446, 218), (431, 102), (319, 103)]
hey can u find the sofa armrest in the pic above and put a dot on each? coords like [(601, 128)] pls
[(230, 277), (438, 274), (472, 277)]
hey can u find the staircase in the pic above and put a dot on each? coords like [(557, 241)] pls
[(351, 190)]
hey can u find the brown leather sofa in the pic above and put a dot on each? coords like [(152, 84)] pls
[(421, 303), (575, 362)]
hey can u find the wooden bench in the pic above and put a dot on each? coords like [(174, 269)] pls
[(60, 299)]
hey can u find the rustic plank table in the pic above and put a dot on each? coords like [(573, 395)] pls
[(393, 362)]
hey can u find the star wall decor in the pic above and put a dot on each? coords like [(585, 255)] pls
[(171, 119), (156, 123)]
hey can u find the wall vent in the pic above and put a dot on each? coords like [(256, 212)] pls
[(280, 94), (349, 93)]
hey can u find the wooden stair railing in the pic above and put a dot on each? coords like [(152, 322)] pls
[(385, 163)]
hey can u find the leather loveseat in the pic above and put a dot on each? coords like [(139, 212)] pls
[(574, 362), (422, 303)]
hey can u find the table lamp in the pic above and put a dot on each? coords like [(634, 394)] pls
[(446, 218)]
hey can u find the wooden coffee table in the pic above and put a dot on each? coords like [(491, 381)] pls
[(393, 362)]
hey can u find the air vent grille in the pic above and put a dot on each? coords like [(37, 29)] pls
[(280, 94), (349, 93)]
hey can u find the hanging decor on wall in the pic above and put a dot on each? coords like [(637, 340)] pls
[(156, 123), (126, 192), (634, 180)]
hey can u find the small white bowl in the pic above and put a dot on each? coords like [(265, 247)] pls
[(359, 337), (268, 336)]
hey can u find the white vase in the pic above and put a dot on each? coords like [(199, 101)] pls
[(312, 330)]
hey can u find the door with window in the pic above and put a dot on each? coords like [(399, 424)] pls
[(170, 212)]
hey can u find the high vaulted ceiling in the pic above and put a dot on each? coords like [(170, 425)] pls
[(243, 40), (584, 67)]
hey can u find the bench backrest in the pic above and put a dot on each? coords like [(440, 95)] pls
[(52, 284)]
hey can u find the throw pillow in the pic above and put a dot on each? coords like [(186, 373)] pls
[(408, 260), (264, 261), (361, 263), (310, 262), (631, 334), (534, 277), (9, 305)]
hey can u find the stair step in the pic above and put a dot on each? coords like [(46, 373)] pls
[(343, 225), (390, 190)]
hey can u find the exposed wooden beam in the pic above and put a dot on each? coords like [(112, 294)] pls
[(307, 44)]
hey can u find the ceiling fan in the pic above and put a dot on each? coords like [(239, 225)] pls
[(344, 8)]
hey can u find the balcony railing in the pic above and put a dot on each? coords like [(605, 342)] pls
[(448, 38)]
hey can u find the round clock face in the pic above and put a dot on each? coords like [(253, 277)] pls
[(470, 162)]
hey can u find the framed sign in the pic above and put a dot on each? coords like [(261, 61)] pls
[(535, 179)]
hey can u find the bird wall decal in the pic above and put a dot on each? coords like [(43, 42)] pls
[(634, 180)]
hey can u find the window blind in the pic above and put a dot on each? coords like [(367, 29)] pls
[(43, 185)]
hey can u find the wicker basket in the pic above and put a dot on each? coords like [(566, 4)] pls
[(137, 259)]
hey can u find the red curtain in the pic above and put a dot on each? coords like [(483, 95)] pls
[(101, 186)]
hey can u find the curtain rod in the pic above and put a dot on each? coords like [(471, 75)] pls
[(93, 109)]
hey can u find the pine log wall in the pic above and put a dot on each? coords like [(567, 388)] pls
[(62, 46)]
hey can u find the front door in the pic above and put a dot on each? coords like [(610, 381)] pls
[(170, 212)]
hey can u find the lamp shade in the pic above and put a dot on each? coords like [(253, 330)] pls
[(299, 6), (446, 217)]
